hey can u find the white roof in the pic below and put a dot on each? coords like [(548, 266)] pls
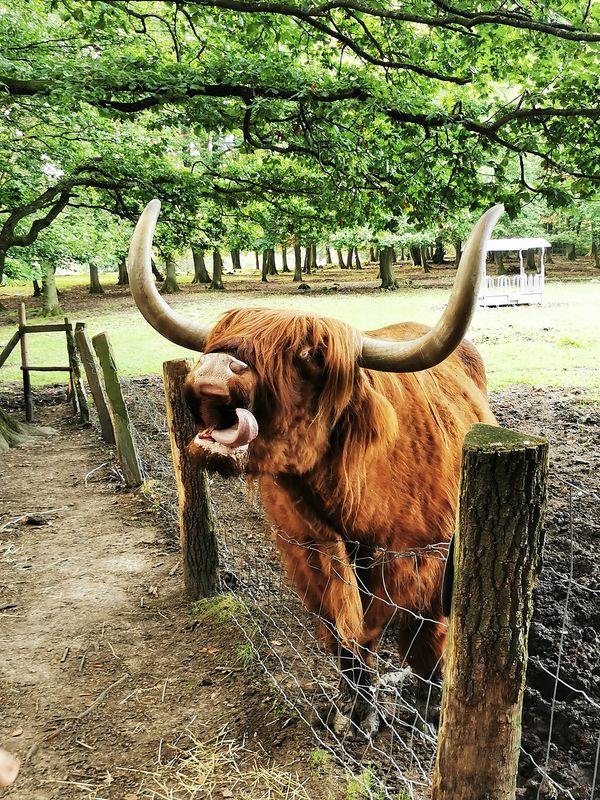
[(496, 245)]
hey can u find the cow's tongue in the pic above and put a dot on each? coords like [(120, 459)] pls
[(240, 434)]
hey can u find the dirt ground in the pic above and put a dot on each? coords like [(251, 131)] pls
[(105, 672), (93, 600)]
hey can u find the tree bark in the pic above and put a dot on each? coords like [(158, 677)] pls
[(95, 285), (340, 257), (156, 272), (386, 269), (50, 305), (458, 248), (235, 259), (308, 259), (595, 250), (372, 258), (438, 253), (497, 556), (256, 260), (14, 433), (328, 256), (423, 254), (297, 263), (123, 273), (284, 262), (271, 266), (570, 252), (357, 259), (170, 285), (217, 278), (37, 289), (415, 255), (530, 259), (265, 266), (349, 264), (200, 272), (197, 536)]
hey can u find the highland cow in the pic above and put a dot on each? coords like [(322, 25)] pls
[(355, 443)]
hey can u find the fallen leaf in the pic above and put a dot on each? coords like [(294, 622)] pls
[(17, 732)]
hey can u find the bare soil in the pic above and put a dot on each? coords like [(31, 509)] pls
[(105, 671)]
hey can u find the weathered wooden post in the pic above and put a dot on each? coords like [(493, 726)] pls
[(76, 380), (496, 562), (25, 364), (199, 549), (124, 439), (84, 346)]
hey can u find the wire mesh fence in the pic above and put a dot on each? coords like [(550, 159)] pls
[(561, 722)]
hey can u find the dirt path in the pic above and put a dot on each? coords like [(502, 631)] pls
[(92, 600)]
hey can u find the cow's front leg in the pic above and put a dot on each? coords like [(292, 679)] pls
[(354, 710)]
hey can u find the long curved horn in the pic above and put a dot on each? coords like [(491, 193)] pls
[(159, 314), (440, 341)]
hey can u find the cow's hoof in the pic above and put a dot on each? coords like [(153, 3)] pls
[(354, 714)]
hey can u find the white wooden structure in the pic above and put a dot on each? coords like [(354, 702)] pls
[(511, 290)]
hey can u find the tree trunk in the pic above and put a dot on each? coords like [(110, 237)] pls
[(570, 252), (438, 253), (14, 433), (256, 260), (170, 286), (50, 306), (328, 256), (372, 258), (297, 263), (95, 285), (458, 248), (271, 267), (357, 259), (386, 269), (235, 259), (155, 271), (531, 259), (200, 272), (308, 259), (284, 263), (424, 264), (265, 266), (341, 263), (217, 278), (497, 557), (415, 254), (37, 289), (349, 258), (314, 257), (595, 250), (123, 273)]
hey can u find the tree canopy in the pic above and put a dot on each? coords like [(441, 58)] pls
[(295, 117)]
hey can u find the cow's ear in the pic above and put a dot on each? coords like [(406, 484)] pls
[(312, 361)]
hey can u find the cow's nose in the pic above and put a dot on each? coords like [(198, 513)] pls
[(213, 371)]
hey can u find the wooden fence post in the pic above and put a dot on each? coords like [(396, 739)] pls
[(123, 429), (197, 537), (496, 562), (25, 364), (84, 347), (76, 380)]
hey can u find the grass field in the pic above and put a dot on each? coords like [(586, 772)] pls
[(553, 345)]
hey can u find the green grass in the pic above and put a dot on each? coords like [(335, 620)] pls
[(556, 344)]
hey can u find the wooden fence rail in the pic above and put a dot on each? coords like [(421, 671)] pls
[(497, 558)]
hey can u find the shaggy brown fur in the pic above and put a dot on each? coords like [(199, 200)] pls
[(355, 466)]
